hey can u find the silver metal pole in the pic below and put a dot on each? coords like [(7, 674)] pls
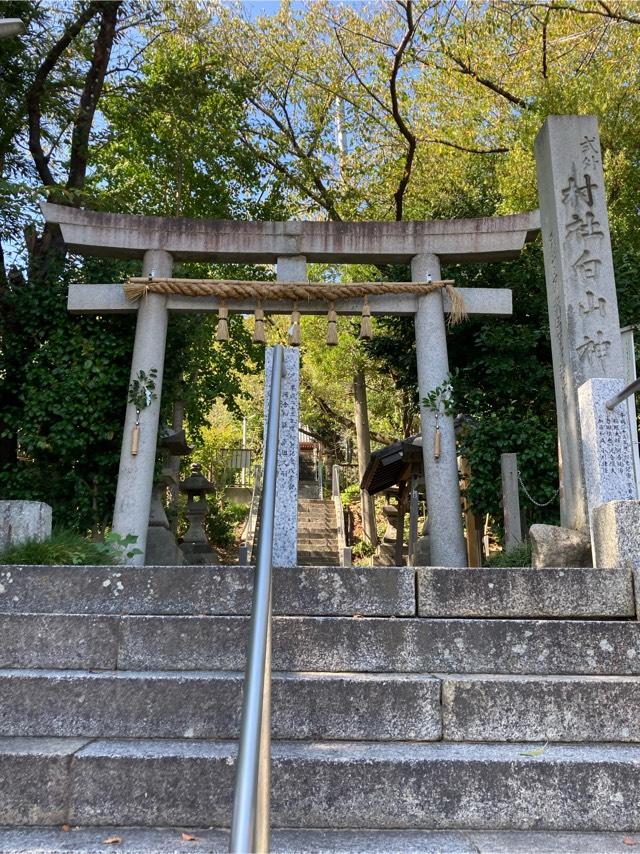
[(249, 825), (244, 445), (632, 388)]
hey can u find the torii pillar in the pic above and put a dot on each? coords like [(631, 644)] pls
[(135, 475), (442, 482)]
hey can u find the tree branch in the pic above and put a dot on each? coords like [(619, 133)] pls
[(465, 68), (341, 419), (36, 90), (94, 82), (465, 148), (277, 166), (395, 110), (322, 194)]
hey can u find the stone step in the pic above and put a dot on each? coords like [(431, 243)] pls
[(336, 644), (321, 548), (203, 590), (316, 535), (442, 593), (525, 592), (403, 785), (541, 708), (352, 706), (169, 840), (322, 559), (50, 703)]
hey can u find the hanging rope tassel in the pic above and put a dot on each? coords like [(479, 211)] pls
[(366, 331), (222, 330), (294, 330), (258, 329), (332, 327), (458, 311)]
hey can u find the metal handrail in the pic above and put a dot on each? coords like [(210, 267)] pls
[(343, 549), (632, 388), (246, 549), (250, 821)]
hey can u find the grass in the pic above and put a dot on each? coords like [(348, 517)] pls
[(518, 556), (64, 547)]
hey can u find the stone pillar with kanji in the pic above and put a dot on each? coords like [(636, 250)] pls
[(583, 309)]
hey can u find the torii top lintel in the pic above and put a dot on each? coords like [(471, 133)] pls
[(455, 240)]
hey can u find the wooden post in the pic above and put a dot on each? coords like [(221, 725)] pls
[(510, 501), (413, 518), (402, 509), (472, 522)]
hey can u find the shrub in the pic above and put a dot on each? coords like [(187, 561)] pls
[(362, 549), (518, 556), (64, 547), (222, 521), (351, 494)]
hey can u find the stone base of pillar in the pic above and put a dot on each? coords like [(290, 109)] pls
[(199, 554), (162, 549), (615, 534), (422, 553)]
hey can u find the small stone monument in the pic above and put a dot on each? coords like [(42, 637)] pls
[(386, 552), (24, 521), (196, 548), (422, 552), (285, 523), (611, 486)]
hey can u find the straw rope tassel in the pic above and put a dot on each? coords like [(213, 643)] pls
[(332, 327), (222, 331), (258, 329), (294, 330), (458, 311), (366, 331)]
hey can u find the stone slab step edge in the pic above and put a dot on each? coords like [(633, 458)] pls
[(521, 592), (334, 644), (54, 703), (203, 590), (345, 706), (142, 840), (442, 593), (328, 784)]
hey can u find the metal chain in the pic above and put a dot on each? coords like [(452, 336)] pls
[(531, 499)]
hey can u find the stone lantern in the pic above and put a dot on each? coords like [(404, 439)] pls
[(195, 547), (162, 548)]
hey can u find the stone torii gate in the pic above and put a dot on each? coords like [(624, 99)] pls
[(159, 241)]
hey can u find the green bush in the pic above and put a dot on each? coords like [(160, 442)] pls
[(362, 549), (64, 548), (222, 521), (518, 556), (351, 494)]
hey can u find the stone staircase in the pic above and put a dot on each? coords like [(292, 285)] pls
[(430, 710), (317, 533)]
